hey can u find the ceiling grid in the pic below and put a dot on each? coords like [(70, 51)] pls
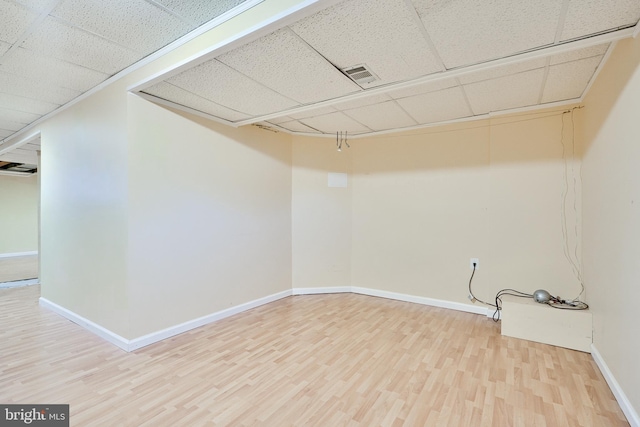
[(435, 61)]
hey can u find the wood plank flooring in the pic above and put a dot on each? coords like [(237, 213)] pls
[(316, 360), (18, 268)]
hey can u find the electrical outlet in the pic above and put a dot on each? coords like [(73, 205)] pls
[(477, 261)]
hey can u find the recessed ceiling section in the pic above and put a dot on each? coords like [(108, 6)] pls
[(168, 92), (470, 32), (382, 34), (296, 126), (225, 86), (362, 101), (320, 111), (570, 79), (427, 87), (383, 116), (285, 63), (503, 71), (585, 17), (434, 107), (574, 55), (331, 123), (503, 93)]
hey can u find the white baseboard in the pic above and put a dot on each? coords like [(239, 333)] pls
[(420, 300), (621, 397), (102, 332), (145, 340), (18, 254), (313, 291), (154, 337), (395, 296)]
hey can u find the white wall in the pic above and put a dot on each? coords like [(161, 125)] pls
[(321, 214), (209, 218), (420, 204), (18, 214), (87, 252), (84, 210), (612, 213)]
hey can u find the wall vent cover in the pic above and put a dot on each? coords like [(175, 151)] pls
[(360, 74)]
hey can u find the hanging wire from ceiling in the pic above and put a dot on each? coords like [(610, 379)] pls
[(568, 155), (341, 138)]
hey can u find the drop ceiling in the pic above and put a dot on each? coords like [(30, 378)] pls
[(52, 51), (433, 61)]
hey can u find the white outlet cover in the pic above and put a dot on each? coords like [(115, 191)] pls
[(477, 261)]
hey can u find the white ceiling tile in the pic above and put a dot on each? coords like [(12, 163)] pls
[(502, 71), (517, 90), (18, 116), (284, 63), (218, 83), (335, 122), (468, 32), (28, 105), (383, 116), (281, 119), (574, 55), (5, 133), (51, 71), (16, 19), (37, 5), (138, 25), (9, 125), (381, 34), (35, 89), (423, 88), (570, 79), (296, 126), (593, 16), (180, 96), (4, 47), (199, 11), (311, 113), (361, 102), (433, 107), (58, 40)]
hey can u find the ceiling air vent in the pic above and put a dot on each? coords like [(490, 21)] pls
[(360, 74)]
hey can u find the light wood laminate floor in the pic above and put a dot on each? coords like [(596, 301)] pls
[(316, 360)]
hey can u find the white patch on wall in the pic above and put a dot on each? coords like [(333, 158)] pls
[(337, 180)]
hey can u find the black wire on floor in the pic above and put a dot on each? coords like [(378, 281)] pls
[(555, 302)]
